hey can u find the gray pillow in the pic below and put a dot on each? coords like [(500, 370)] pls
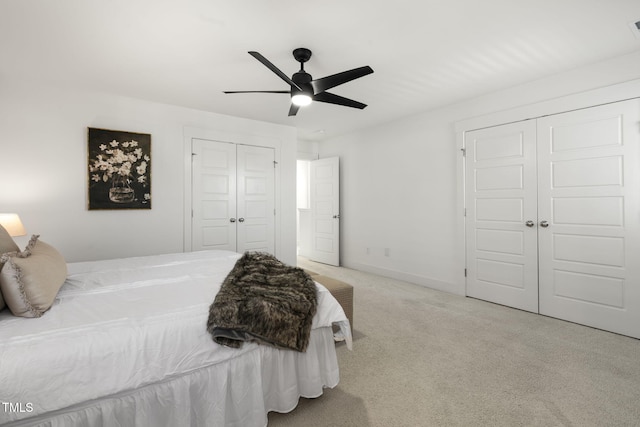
[(31, 279), (6, 245)]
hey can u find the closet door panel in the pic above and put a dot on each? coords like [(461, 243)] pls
[(214, 195), (256, 207), (500, 199), (589, 192)]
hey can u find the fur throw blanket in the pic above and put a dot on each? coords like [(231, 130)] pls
[(264, 300)]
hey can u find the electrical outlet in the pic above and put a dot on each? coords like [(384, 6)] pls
[(387, 251)]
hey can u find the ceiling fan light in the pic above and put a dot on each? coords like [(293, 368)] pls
[(301, 99)]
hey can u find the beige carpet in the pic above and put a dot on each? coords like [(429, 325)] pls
[(426, 358)]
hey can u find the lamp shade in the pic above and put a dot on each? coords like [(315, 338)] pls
[(11, 222)]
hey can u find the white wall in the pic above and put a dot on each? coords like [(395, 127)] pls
[(43, 136), (400, 181), (307, 150)]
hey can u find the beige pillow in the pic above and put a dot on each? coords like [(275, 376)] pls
[(6, 242), (31, 279), (6, 245)]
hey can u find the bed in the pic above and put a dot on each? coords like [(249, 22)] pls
[(125, 344)]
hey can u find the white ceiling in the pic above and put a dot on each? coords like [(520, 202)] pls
[(425, 53)]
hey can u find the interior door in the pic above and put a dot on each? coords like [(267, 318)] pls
[(213, 195), (325, 210), (589, 193), (255, 199), (501, 215)]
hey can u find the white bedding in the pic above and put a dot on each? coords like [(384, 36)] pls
[(124, 333)]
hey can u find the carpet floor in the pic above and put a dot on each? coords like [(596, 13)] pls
[(427, 358)]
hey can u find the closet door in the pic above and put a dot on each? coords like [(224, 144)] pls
[(255, 200), (233, 197), (589, 193), (213, 195), (501, 215)]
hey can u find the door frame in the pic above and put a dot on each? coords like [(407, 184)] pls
[(238, 139), (591, 98)]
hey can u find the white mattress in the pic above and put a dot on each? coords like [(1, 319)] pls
[(134, 324)]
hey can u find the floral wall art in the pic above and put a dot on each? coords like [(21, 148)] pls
[(119, 169)]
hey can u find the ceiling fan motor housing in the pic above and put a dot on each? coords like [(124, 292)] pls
[(303, 80)]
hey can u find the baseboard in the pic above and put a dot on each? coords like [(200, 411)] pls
[(427, 282)]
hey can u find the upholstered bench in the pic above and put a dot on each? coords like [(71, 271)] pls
[(341, 291)]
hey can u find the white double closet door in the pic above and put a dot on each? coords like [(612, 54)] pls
[(233, 196), (553, 216)]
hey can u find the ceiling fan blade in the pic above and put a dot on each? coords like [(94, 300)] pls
[(275, 69), (293, 110), (257, 91), (330, 98), (324, 83)]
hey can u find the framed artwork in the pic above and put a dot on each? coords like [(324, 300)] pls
[(119, 169)]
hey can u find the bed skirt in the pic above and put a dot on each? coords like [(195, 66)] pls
[(238, 392)]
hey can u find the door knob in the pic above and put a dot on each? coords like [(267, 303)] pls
[(232, 220), (240, 219), (337, 216), (529, 223), (544, 224)]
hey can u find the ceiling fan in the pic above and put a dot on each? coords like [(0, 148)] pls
[(304, 89)]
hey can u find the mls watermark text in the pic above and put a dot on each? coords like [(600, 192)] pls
[(17, 407)]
